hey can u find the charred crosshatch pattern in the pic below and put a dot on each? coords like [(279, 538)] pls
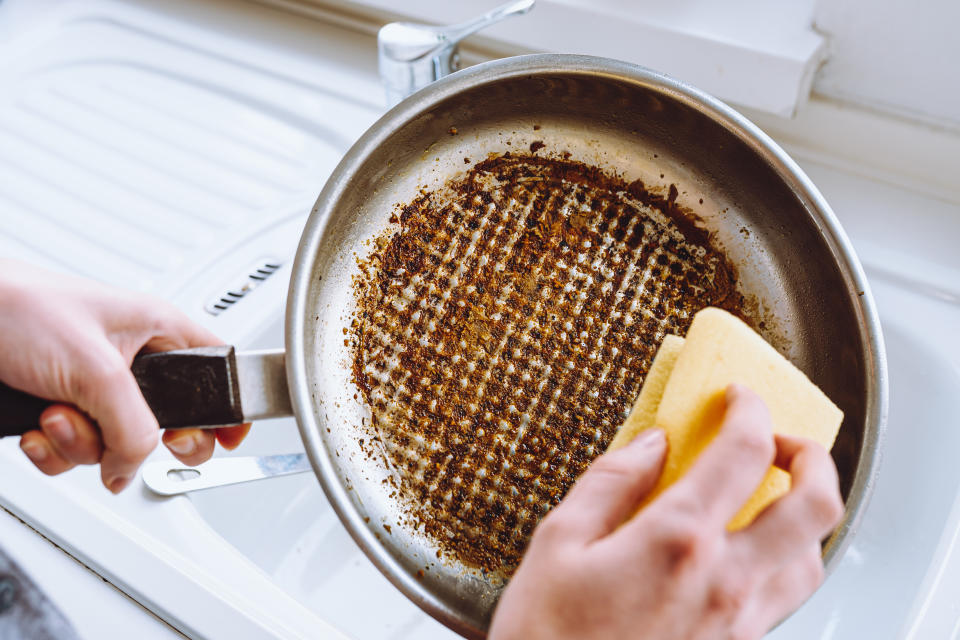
[(504, 330)]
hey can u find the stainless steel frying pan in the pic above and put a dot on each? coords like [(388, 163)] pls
[(765, 214)]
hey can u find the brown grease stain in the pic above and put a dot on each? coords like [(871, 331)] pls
[(504, 331)]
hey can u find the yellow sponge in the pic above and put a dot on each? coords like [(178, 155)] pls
[(644, 412), (688, 381)]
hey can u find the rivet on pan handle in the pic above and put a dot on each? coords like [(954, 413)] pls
[(199, 387)]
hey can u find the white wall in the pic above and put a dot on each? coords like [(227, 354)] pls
[(760, 54), (901, 56)]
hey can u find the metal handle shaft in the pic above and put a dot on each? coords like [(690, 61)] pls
[(167, 478)]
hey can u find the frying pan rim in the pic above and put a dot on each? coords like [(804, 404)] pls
[(299, 315)]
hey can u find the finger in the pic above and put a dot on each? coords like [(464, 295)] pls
[(108, 392), (781, 594), (729, 470), (190, 446), (174, 330), (231, 437), (610, 489), (41, 453), (177, 331), (71, 434), (193, 447), (807, 513)]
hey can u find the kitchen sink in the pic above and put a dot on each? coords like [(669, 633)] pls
[(287, 528), (882, 581), (189, 140)]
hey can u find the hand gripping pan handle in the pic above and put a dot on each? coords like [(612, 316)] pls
[(200, 388)]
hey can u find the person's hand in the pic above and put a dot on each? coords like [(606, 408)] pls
[(673, 572), (73, 341)]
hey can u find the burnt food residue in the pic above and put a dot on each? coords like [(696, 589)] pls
[(502, 334)]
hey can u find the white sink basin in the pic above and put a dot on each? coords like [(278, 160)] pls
[(885, 575), (287, 528)]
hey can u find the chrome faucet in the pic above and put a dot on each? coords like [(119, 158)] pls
[(411, 56)]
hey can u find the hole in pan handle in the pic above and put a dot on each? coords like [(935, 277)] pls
[(199, 388), (168, 477)]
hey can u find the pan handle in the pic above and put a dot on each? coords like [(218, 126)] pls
[(188, 388), (168, 478)]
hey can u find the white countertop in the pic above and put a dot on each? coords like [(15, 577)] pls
[(94, 607)]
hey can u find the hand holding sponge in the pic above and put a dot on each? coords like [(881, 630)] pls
[(684, 395)]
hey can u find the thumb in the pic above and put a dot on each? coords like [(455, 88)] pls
[(612, 487)]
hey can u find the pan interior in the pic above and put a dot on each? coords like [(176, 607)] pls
[(503, 335), (786, 266)]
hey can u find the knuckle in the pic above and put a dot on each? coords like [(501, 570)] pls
[(681, 538), (757, 445), (168, 320), (100, 371), (164, 316), (147, 315), (685, 508), (130, 446), (756, 405), (145, 306), (134, 447), (824, 505), (729, 595)]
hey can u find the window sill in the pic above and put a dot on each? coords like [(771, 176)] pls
[(744, 52)]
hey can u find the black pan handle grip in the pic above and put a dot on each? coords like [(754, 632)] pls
[(188, 388)]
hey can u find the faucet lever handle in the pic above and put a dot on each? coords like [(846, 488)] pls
[(457, 32), (411, 55)]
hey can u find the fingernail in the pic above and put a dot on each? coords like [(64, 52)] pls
[(183, 446), (36, 451), (649, 438), (118, 484), (59, 428)]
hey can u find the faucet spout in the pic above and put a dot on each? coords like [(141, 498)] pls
[(412, 55)]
